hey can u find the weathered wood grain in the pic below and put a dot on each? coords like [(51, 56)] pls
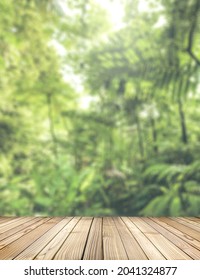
[(73, 247), (190, 240), (163, 244), (13, 249), (194, 221), (94, 246), (27, 222), (4, 220), (98, 238), (183, 228), (113, 247), (188, 224), (31, 252), (150, 250), (133, 249), (54, 245), (181, 244), (12, 224)]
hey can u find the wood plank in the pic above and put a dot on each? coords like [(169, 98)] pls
[(11, 224), (133, 249), (18, 228), (73, 247), (195, 219), (168, 249), (183, 228), (33, 250), (113, 248), (189, 222), (16, 247), (150, 250), (31, 225), (184, 246), (164, 223), (54, 245), (94, 245), (9, 219), (98, 238), (4, 220)]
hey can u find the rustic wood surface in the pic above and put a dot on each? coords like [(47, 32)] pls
[(99, 238)]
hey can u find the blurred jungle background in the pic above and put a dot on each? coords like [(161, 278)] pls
[(100, 107)]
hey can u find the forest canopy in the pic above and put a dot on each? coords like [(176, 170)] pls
[(99, 110)]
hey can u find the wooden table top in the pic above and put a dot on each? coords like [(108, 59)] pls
[(98, 238)]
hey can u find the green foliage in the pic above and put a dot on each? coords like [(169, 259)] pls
[(96, 119)]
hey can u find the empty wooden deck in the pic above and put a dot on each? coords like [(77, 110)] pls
[(108, 238)]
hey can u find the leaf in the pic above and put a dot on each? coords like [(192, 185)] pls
[(87, 181), (157, 207), (194, 205), (175, 207)]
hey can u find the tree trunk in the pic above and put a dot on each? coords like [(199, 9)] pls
[(184, 136), (154, 135), (180, 90)]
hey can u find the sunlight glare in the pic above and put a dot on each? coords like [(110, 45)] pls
[(146, 6), (86, 101), (115, 11)]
